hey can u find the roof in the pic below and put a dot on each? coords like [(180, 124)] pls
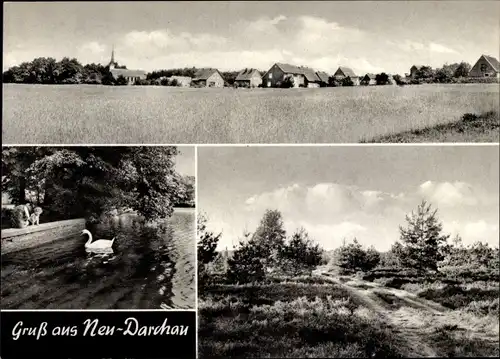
[(323, 76), (247, 74), (493, 62), (346, 71), (204, 74), (180, 78), (308, 73), (126, 72), (372, 76)]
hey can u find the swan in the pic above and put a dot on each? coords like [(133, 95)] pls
[(100, 245)]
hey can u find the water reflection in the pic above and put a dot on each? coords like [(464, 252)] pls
[(150, 267)]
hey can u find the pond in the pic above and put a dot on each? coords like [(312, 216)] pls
[(152, 267)]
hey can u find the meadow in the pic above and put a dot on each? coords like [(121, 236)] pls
[(149, 114), (331, 315)]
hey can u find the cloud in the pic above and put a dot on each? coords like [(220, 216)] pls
[(449, 193), (415, 46), (331, 212), (433, 47), (93, 47)]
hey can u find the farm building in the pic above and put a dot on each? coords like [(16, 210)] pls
[(132, 76), (486, 66), (369, 79), (248, 78), (324, 78), (300, 76), (208, 78), (182, 81), (344, 72)]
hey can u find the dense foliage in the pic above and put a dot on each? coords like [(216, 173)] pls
[(70, 182), (353, 257)]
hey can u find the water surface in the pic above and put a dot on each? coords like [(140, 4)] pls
[(153, 267)]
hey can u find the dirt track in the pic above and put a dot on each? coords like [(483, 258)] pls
[(412, 319)]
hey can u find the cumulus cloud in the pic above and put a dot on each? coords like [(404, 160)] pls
[(449, 193), (331, 212)]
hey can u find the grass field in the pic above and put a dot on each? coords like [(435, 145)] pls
[(332, 316), (99, 114)]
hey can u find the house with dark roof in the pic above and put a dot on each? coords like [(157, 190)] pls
[(324, 78), (345, 72), (132, 76), (369, 79), (299, 76), (248, 78), (208, 78), (486, 66)]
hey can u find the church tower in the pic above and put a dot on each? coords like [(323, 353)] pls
[(112, 63)]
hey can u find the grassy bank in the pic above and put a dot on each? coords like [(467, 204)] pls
[(470, 128)]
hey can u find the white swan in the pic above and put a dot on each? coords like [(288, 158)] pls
[(98, 246)]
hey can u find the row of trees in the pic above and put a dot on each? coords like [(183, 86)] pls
[(69, 182), (267, 250), (46, 70), (446, 74), (422, 247)]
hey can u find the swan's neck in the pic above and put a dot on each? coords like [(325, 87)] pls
[(90, 239)]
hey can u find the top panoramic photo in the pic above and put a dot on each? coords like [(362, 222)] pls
[(250, 72)]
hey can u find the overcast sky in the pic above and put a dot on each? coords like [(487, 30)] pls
[(184, 161), (367, 36), (346, 192)]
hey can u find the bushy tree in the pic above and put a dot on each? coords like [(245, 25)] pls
[(269, 237), (462, 70), (87, 181), (121, 81), (422, 239), (300, 254), (206, 249), (246, 263), (347, 81), (353, 257), (382, 79)]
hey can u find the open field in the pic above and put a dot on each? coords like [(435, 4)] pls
[(99, 114), (330, 316)]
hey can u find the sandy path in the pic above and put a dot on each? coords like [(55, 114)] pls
[(411, 318)]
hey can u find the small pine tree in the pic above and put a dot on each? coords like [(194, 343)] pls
[(422, 239), (300, 254), (245, 265)]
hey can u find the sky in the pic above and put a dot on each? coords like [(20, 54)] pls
[(185, 161), (348, 192), (366, 36)]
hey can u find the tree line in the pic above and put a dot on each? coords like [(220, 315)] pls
[(72, 182), (421, 248)]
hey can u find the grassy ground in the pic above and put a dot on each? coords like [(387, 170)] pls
[(331, 316), (100, 114), (470, 128)]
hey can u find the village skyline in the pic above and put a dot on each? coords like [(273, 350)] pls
[(233, 36)]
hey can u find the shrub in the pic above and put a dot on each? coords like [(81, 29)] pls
[(352, 257), (347, 81), (246, 266)]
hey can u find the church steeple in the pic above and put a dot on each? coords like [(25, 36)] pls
[(112, 63)]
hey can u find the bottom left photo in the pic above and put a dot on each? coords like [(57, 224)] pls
[(109, 227)]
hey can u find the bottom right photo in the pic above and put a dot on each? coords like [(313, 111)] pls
[(348, 251)]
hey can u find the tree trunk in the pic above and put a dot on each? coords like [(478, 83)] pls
[(22, 190)]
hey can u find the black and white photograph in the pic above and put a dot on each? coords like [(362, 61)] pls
[(109, 227), (348, 251), (191, 72)]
